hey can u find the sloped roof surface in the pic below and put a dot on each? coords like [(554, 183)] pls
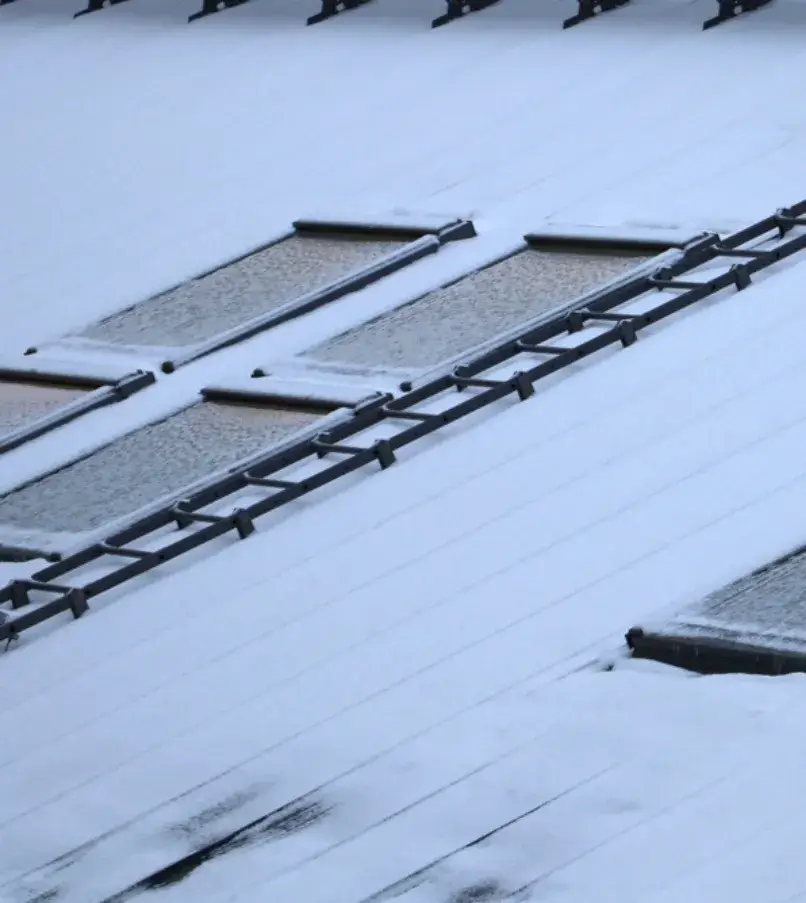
[(417, 656)]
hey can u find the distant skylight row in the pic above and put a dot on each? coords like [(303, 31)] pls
[(727, 9)]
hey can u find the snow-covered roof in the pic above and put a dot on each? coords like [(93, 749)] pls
[(411, 670)]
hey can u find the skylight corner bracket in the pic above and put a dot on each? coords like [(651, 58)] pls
[(589, 9), (133, 383), (730, 9), (458, 231), (95, 6), (214, 6), (332, 8), (458, 8)]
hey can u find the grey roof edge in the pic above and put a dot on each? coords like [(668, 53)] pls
[(706, 653)]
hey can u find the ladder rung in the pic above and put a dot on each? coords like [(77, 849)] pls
[(753, 253), (675, 283), (322, 446), (790, 220), (44, 587), (417, 416), (268, 482), (74, 597), (539, 349), (382, 450), (576, 320), (124, 551), (609, 317), (474, 382), (197, 516), (238, 520)]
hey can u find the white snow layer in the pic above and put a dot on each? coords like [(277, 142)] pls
[(408, 651)]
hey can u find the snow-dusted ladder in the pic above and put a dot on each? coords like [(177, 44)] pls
[(329, 9), (377, 430), (94, 6), (588, 9), (728, 9), (458, 8)]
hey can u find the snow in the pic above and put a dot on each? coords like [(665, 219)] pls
[(601, 816), (420, 655), (387, 604)]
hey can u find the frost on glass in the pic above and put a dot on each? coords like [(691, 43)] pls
[(771, 600), (24, 403), (453, 320), (147, 464), (258, 284)]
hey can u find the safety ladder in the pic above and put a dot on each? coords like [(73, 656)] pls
[(382, 426)]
